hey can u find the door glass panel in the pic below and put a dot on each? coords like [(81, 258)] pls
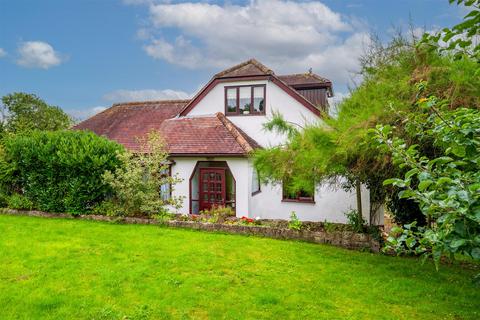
[(219, 187), (212, 198), (219, 197), (205, 176), (205, 186), (205, 197), (212, 186)]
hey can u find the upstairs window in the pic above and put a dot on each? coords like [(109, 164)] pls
[(245, 100)]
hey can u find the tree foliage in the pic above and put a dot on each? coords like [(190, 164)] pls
[(20, 112), (447, 186), (341, 147), (58, 171), (142, 183), (462, 39)]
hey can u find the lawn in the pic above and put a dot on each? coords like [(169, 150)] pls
[(74, 269)]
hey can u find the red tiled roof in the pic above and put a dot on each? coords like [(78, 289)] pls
[(248, 68), (205, 135), (127, 122), (302, 79)]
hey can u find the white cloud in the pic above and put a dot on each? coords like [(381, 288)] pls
[(38, 54), (285, 35), (81, 114), (144, 95), (3, 53)]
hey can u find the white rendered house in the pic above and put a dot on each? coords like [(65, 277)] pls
[(210, 139)]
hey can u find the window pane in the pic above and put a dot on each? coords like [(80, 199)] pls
[(165, 191), (232, 100), (258, 99), (245, 99), (255, 181), (298, 195)]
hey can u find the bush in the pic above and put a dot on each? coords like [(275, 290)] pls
[(58, 171), (107, 208), (139, 183), (219, 214), (355, 221), (294, 223), (19, 202)]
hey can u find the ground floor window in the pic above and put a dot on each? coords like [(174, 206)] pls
[(290, 194), (166, 188), (255, 182)]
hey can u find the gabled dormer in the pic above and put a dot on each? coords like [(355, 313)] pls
[(245, 90), (314, 88)]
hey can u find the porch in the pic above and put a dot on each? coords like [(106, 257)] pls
[(211, 183)]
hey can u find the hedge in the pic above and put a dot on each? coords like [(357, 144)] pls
[(58, 171)]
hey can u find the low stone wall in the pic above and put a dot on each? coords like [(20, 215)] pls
[(345, 239)]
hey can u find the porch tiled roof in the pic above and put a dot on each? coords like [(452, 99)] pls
[(127, 122), (205, 135)]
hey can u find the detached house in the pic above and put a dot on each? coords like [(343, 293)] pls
[(210, 137)]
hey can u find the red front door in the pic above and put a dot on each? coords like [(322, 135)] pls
[(212, 187)]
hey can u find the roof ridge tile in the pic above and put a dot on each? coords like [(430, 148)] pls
[(236, 133)]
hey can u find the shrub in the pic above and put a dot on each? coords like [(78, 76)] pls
[(219, 214), (294, 223), (138, 183), (107, 208), (355, 221), (19, 202), (446, 186), (164, 216), (58, 171)]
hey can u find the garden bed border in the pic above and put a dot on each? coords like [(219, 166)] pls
[(345, 239)]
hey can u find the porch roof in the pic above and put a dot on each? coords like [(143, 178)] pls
[(205, 135)]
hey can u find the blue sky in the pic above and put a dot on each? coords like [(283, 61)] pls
[(84, 55)]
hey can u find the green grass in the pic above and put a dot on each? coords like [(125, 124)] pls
[(73, 269)]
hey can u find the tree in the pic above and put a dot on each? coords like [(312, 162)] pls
[(462, 39), (341, 146), (142, 184), (447, 187), (21, 112)]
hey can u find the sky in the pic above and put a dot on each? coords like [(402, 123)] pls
[(84, 55)]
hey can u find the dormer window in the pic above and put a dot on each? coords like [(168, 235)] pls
[(245, 100)]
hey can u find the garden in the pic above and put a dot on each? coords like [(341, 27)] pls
[(56, 268), (410, 132)]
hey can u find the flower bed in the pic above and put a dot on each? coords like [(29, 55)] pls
[(277, 229)]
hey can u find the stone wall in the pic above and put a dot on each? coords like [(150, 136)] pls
[(345, 239)]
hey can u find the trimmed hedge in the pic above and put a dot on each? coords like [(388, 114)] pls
[(58, 171)]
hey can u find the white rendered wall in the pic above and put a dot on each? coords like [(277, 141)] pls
[(276, 100), (330, 204)]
